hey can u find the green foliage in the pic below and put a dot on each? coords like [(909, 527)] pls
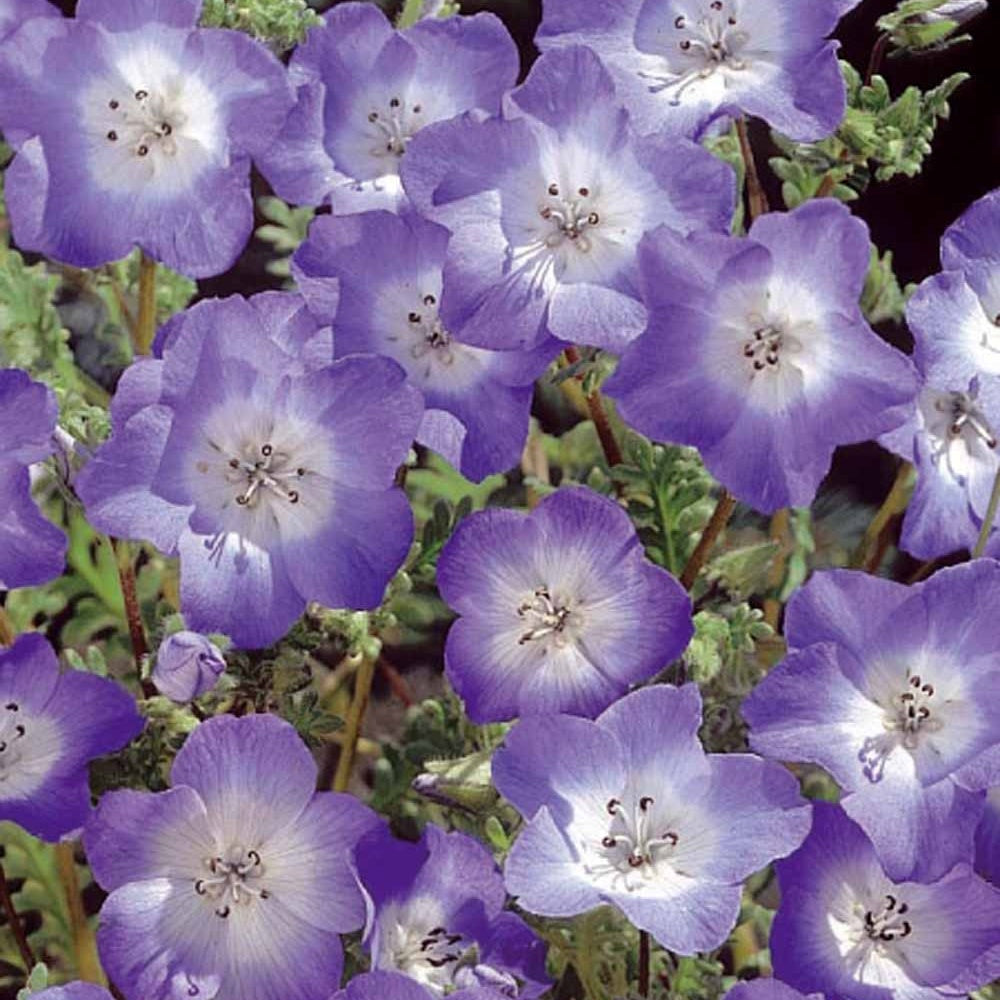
[(915, 26), (282, 24), (286, 229), (879, 137), (882, 299), (37, 981)]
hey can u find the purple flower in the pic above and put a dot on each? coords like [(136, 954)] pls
[(385, 274), (32, 550), (560, 609), (684, 63), (436, 914), (894, 690), (763, 342), (364, 90), (52, 725), (13, 13), (950, 439), (234, 883), (73, 991), (847, 929), (187, 666), (134, 127), (392, 986), (547, 206), (955, 315), (630, 810), (767, 989), (266, 467)]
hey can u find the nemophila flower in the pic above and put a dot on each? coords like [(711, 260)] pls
[(392, 986), (364, 90), (13, 13), (52, 725), (134, 127), (847, 929), (630, 810), (684, 63), (757, 353), (950, 439), (385, 274), (547, 206), (187, 666), (32, 549), (235, 883), (893, 690), (265, 466), (955, 315), (560, 609), (436, 914)]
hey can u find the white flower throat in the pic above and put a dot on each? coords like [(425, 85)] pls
[(431, 341), (260, 472), (572, 216), (392, 126), (145, 125), (12, 734), (966, 419), (873, 930), (545, 618), (700, 46), (911, 712), (232, 880)]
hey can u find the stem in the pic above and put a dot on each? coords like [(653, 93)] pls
[(352, 724), (666, 525), (991, 513), (826, 186), (6, 628), (126, 575), (14, 922), (756, 199), (875, 59), (778, 532), (644, 963), (869, 552), (87, 966), (145, 327), (719, 519), (595, 404)]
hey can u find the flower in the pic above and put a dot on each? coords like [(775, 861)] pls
[(560, 609), (235, 883), (630, 810), (264, 465), (32, 550), (392, 986), (52, 725), (767, 989), (959, 11), (134, 127), (893, 690), (385, 274), (951, 441), (547, 205), (847, 929), (363, 92), (684, 63), (955, 315), (436, 914), (187, 666), (13, 13), (763, 341)]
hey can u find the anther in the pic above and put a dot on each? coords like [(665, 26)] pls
[(417, 109), (293, 496), (199, 887), (414, 317), (266, 450), (613, 806), (373, 116), (645, 802), (234, 463), (141, 95), (113, 135), (223, 912), (554, 190), (685, 45), (593, 218), (430, 300), (142, 150), (113, 105), (12, 706), (584, 192), (394, 102), (679, 22)]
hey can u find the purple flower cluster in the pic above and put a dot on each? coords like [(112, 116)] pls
[(469, 230)]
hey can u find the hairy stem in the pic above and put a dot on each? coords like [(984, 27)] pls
[(145, 326), (88, 967), (598, 413), (352, 724), (869, 552), (7, 633), (875, 59), (14, 923), (136, 630), (719, 519), (756, 199), (778, 532), (991, 513)]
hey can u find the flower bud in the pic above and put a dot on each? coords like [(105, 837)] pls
[(959, 11), (187, 665)]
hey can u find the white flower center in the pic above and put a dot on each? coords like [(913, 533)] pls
[(770, 343), (570, 216), (232, 880), (633, 845), (258, 472), (145, 124), (428, 332), (965, 418), (888, 922), (392, 126), (911, 712), (700, 47), (545, 618), (12, 734), (429, 956)]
